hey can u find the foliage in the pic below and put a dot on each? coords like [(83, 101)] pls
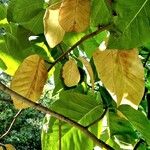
[(92, 51), (25, 133)]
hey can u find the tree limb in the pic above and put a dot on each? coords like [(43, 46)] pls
[(56, 115), (84, 38), (11, 125)]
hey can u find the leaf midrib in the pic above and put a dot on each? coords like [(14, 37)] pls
[(134, 17)]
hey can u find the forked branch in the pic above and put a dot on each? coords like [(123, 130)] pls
[(56, 115), (84, 38)]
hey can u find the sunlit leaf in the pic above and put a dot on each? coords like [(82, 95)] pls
[(29, 80), (71, 73), (89, 69), (122, 73), (54, 33), (75, 15)]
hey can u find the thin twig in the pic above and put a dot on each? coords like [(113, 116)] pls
[(84, 38), (138, 144), (59, 134), (11, 125), (56, 115), (100, 118)]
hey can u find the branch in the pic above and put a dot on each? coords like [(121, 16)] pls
[(56, 115), (100, 118), (84, 38), (11, 125)]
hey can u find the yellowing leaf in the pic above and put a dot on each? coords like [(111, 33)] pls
[(29, 80), (74, 15), (71, 73), (54, 33), (1, 148), (9, 147), (89, 69), (122, 73)]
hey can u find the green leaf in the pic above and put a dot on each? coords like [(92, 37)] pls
[(138, 120), (121, 128), (131, 24), (81, 108), (27, 13), (15, 46), (3, 11), (2, 65), (90, 45), (58, 79), (100, 13)]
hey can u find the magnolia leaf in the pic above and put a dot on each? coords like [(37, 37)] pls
[(89, 69), (122, 73), (54, 33), (74, 15), (29, 80), (71, 73), (9, 147)]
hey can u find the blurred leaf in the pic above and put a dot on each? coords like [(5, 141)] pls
[(9, 147)]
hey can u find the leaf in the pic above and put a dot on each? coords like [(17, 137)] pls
[(29, 80), (9, 147), (29, 14), (71, 73), (54, 33), (89, 69), (3, 11), (138, 120), (122, 73), (121, 128), (100, 13), (131, 24), (57, 79), (74, 15), (79, 107)]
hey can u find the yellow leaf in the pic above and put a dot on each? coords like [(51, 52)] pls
[(1, 148), (71, 73), (89, 69), (122, 73), (9, 147), (29, 80), (74, 15), (54, 33)]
